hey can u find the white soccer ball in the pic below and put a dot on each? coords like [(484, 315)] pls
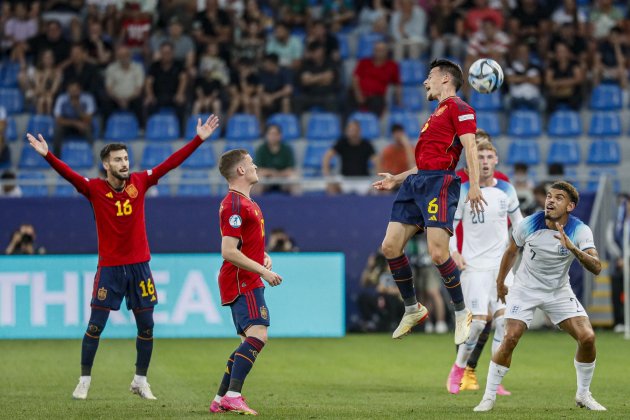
[(485, 75)]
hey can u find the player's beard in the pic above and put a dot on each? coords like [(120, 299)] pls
[(119, 176)]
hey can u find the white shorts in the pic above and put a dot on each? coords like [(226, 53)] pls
[(480, 291), (559, 304)]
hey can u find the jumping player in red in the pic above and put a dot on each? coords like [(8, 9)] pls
[(245, 264), (428, 196), (123, 250)]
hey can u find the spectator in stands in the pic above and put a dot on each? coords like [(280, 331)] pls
[(610, 59), (563, 79), (214, 24), (371, 12), (524, 81), (355, 152), (488, 42), (275, 159), (277, 87), (5, 152), (73, 113), (446, 29), (253, 13), (9, 187), (604, 16), (52, 39), (124, 82), (294, 12), (77, 68), (615, 247), (317, 81), (20, 28), (165, 84), (568, 12), (371, 79), (338, 12), (288, 47), (212, 80), (183, 45), (318, 33), (408, 30), (40, 84), (98, 46), (530, 24), (397, 157), (245, 89), (135, 29), (576, 43), (280, 241), (75, 33), (23, 242), (478, 13), (250, 44)]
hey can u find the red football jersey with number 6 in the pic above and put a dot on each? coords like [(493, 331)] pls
[(241, 218)]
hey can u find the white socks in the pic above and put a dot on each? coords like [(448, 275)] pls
[(232, 394), (410, 309), (584, 375), (495, 376), (499, 332), (140, 379), (464, 350), (217, 398), (88, 379)]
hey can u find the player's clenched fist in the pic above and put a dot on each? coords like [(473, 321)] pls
[(502, 291), (272, 278)]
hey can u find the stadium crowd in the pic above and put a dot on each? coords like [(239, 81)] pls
[(83, 60)]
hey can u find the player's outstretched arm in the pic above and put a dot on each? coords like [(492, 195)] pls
[(507, 262), (390, 181), (41, 147), (472, 161), (588, 258), (204, 131), (231, 253)]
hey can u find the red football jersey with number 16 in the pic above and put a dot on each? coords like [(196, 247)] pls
[(241, 218)]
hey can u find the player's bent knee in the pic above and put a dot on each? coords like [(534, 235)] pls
[(390, 249), (587, 339), (259, 332), (509, 342)]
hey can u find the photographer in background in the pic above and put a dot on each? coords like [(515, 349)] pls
[(23, 242), (280, 241)]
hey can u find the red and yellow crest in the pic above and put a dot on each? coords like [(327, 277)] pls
[(440, 110), (102, 294), (132, 191), (263, 313)]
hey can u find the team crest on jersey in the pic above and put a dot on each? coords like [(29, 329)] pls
[(102, 294), (132, 191), (264, 314), (426, 125), (235, 221), (440, 111), (109, 195), (515, 309), (562, 251)]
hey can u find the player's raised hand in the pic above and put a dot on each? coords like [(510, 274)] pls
[(272, 278), (387, 183), (39, 144), (564, 239), (502, 291), (267, 262), (459, 260), (475, 197), (206, 129)]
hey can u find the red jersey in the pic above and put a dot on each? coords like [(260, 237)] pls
[(241, 218), (374, 80), (120, 223), (438, 146)]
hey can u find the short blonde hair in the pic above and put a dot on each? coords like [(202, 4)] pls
[(482, 135), (486, 145)]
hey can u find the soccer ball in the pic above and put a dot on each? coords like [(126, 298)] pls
[(485, 75)]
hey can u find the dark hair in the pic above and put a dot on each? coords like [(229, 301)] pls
[(555, 169), (111, 147), (273, 57), (276, 126), (314, 46), (397, 127), (573, 193), (520, 166), (451, 68), (7, 175), (229, 160), (167, 44)]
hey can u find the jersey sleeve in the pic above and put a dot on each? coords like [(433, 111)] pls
[(232, 220), (173, 161), (584, 238), (79, 182), (463, 117), (519, 234)]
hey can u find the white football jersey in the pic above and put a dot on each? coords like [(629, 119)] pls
[(486, 234), (545, 263)]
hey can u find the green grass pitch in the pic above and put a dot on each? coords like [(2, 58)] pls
[(357, 377)]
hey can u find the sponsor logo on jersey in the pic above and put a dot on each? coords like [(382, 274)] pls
[(263, 313), (102, 294), (132, 191), (109, 195), (235, 221), (466, 117), (433, 219), (562, 251)]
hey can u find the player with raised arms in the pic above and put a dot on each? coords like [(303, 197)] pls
[(123, 250), (429, 194), (245, 264), (551, 240), (485, 240)]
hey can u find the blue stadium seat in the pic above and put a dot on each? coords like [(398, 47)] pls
[(323, 126), (408, 120), (154, 154), (366, 44), (565, 152), (313, 157), (485, 101), (526, 152), (565, 124), (11, 130), (163, 188), (344, 48), (41, 124), (242, 127), (63, 189), (121, 126), (191, 127), (595, 174), (32, 190), (412, 72), (9, 74), (30, 159), (247, 145), (605, 123), (202, 188), (78, 155), (162, 127), (489, 121), (369, 123), (289, 125), (12, 100), (202, 158), (412, 98), (525, 124), (604, 152), (606, 97)]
